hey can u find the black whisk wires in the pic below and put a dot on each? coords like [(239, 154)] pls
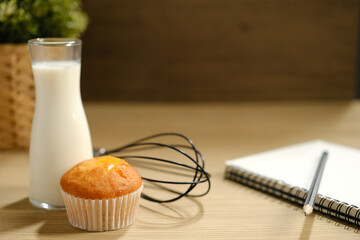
[(194, 161)]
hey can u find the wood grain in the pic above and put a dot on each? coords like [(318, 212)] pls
[(220, 50), (221, 132)]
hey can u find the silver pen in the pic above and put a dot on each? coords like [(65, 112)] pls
[(312, 193)]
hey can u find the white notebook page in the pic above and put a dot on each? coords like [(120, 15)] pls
[(296, 165)]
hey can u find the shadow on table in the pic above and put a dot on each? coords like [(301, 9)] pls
[(307, 227), (320, 216), (22, 214), (170, 215)]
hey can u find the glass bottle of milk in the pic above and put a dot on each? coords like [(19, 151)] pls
[(60, 136)]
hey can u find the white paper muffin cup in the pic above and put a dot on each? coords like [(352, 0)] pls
[(102, 214)]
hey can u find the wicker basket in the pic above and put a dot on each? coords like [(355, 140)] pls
[(17, 96)]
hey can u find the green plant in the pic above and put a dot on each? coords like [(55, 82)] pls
[(21, 20)]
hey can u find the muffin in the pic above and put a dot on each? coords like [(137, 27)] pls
[(101, 194)]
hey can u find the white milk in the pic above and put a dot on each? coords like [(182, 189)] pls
[(60, 136)]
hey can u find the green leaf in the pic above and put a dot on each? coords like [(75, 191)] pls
[(21, 20)]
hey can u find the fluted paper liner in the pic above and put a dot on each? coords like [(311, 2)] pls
[(102, 214)]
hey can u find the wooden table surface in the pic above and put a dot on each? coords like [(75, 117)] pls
[(221, 132)]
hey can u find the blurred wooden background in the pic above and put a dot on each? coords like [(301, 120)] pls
[(220, 50)]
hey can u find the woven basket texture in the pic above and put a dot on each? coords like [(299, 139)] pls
[(17, 96)]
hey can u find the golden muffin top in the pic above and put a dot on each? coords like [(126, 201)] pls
[(101, 178)]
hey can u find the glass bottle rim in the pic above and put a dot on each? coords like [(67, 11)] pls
[(55, 42)]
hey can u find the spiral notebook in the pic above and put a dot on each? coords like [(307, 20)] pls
[(287, 173)]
